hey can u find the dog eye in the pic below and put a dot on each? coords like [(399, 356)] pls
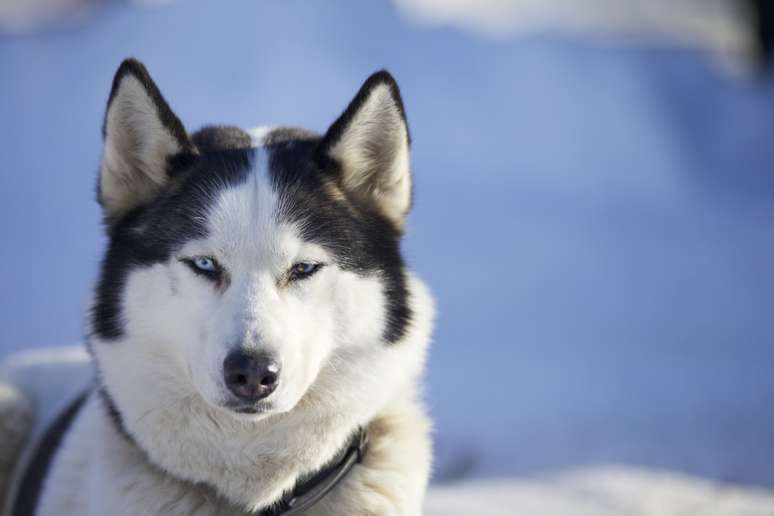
[(203, 265), (303, 270)]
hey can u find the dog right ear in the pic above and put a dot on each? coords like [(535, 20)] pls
[(143, 142)]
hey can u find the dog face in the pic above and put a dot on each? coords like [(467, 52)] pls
[(240, 264)]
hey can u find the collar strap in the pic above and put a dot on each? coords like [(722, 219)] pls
[(311, 488)]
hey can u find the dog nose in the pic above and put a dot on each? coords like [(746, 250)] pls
[(250, 376)]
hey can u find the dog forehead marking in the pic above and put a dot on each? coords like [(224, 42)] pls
[(245, 216)]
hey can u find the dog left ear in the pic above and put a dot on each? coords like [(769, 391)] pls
[(369, 143)]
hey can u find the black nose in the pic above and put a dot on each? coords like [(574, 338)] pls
[(250, 376)]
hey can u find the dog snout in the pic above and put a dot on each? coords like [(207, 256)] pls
[(250, 376)]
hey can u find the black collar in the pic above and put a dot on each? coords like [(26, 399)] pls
[(309, 488)]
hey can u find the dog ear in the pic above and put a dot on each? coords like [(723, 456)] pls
[(143, 141), (369, 143)]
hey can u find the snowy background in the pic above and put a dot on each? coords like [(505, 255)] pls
[(594, 214)]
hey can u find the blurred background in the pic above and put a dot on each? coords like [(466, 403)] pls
[(594, 204)]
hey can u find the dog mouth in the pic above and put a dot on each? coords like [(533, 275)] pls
[(249, 409)]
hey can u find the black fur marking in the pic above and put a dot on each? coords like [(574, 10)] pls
[(34, 477), (361, 238), (152, 233)]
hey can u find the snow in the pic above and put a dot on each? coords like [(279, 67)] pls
[(595, 219), (599, 491)]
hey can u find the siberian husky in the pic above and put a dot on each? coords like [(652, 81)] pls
[(257, 339)]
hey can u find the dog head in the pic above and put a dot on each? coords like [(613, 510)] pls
[(239, 265)]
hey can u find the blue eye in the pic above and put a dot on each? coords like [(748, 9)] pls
[(303, 270), (204, 266), (204, 263)]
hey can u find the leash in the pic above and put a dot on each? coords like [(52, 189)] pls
[(309, 489)]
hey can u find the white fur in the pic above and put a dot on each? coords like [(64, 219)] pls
[(164, 373)]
